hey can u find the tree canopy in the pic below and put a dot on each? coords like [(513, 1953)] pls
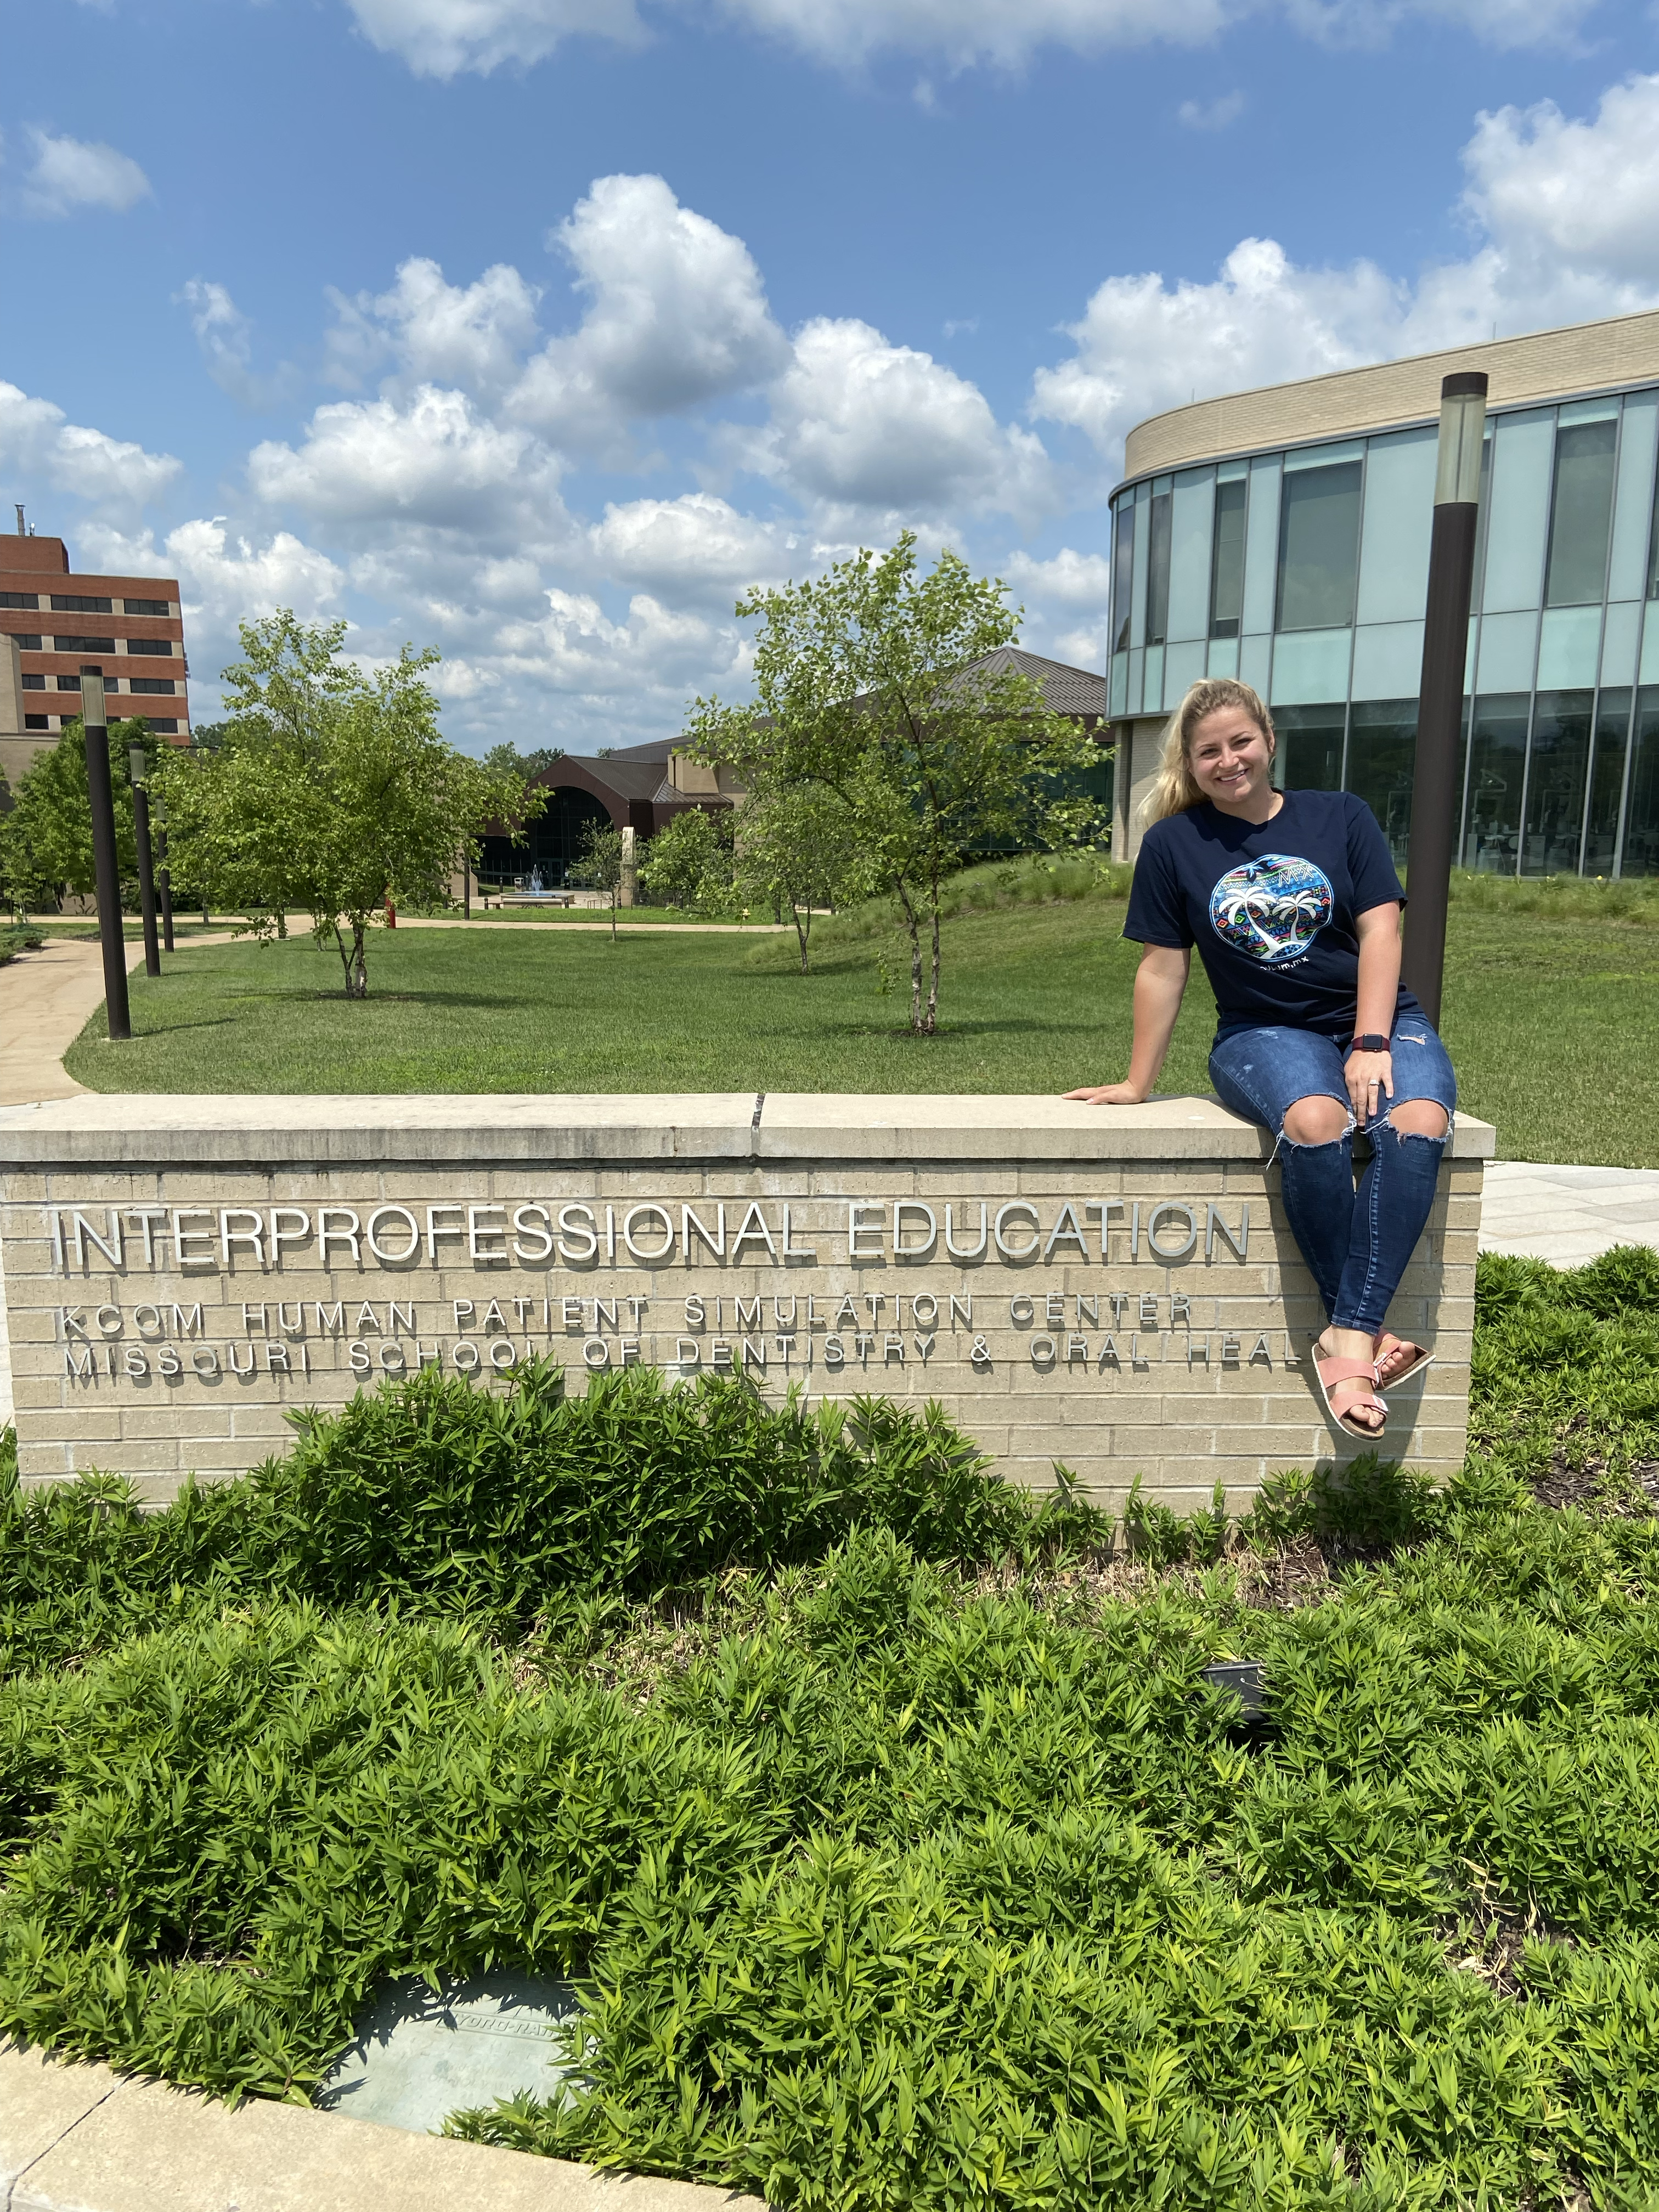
[(45, 836), (867, 689), (331, 790)]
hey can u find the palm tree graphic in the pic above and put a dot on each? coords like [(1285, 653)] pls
[(1273, 915)]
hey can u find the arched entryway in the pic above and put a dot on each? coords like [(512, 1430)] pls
[(550, 844)]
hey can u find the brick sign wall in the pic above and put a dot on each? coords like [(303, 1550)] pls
[(1116, 1291)]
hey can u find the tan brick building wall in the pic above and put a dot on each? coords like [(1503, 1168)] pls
[(1123, 1295), (1588, 358)]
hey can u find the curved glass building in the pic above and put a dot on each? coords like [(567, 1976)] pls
[(1283, 535)]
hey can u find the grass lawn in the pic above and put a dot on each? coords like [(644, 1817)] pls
[(1551, 1014), (902, 1856)]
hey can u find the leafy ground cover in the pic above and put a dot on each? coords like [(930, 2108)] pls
[(1552, 1012), (902, 1853)]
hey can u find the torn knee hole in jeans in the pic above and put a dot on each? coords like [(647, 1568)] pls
[(1324, 1143), (1417, 1136)]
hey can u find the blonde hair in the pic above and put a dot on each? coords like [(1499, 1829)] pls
[(1174, 788)]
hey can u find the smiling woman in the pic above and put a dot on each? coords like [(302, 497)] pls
[(1294, 904)]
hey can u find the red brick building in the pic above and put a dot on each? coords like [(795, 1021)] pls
[(128, 626)]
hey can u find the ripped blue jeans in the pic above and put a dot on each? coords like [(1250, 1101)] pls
[(1356, 1241)]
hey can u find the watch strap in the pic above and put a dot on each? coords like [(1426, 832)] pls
[(1369, 1041)]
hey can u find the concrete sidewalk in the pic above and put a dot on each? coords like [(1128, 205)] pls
[(1567, 1215), (77, 2138), (46, 999)]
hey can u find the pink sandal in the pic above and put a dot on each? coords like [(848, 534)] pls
[(1333, 1373), (1396, 1360)]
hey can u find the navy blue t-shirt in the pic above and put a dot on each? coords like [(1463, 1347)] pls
[(1271, 906)]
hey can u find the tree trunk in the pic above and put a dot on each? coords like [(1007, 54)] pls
[(931, 1025), (354, 962), (910, 923), (282, 921), (615, 894), (803, 929)]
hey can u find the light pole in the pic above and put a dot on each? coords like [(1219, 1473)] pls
[(138, 770), (1440, 698), (163, 874), (106, 871)]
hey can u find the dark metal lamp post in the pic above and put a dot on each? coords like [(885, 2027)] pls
[(106, 872), (138, 770), (163, 872), (1440, 700)]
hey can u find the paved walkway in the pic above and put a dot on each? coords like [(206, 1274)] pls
[(1567, 1215), (77, 2138), (45, 998)]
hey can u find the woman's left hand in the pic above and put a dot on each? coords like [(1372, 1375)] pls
[(1370, 1078)]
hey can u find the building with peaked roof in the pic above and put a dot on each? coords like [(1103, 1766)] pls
[(1282, 536), (641, 787), (55, 619)]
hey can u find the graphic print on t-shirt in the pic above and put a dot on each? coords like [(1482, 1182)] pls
[(1272, 908)]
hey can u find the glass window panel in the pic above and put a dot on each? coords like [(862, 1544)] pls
[(1119, 699), (1606, 779), (1605, 410), (1632, 505), (1387, 659), (1184, 665), (1190, 530), (1555, 783), (1138, 587), (1582, 517), (1619, 637), (1318, 547), (1641, 852), (1310, 746), (1312, 664), (1123, 568), (1477, 589), (1256, 660), (1322, 457), (1498, 764), (1509, 652), (1399, 516), (1224, 657), (1152, 701), (1261, 545), (1522, 450), (1568, 647), (1157, 569), (1136, 672), (1227, 471), (1227, 561), (1381, 755)]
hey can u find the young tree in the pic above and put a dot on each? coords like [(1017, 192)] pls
[(689, 862), (599, 866), (799, 847), (45, 836), (865, 688), (330, 792)]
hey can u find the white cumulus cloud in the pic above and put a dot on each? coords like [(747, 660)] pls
[(443, 38), (40, 444), (472, 335), (886, 430), (68, 174), (693, 546), (434, 460), (1566, 215), (676, 317)]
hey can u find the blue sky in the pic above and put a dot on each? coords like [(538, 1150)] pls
[(537, 329)]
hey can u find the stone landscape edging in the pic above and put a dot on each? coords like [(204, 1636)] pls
[(78, 2137)]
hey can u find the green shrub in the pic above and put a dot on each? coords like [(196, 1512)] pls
[(900, 1850)]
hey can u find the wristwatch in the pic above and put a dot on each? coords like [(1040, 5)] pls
[(1370, 1043)]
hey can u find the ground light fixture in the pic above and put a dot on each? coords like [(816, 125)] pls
[(94, 723), (138, 771), (1244, 1679), (1440, 694)]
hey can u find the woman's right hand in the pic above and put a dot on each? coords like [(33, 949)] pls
[(1109, 1094)]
